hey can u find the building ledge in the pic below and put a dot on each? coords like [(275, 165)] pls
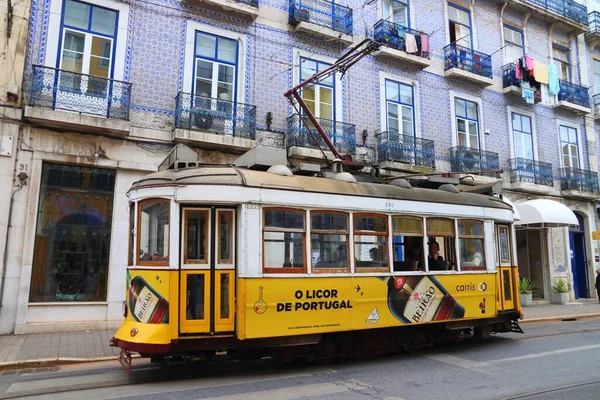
[(532, 187), (468, 76), (405, 167), (235, 7), (477, 179), (73, 121), (321, 31), (572, 107), (399, 55), (580, 194), (210, 140), (512, 89)]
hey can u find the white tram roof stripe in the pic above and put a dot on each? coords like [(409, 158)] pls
[(231, 176)]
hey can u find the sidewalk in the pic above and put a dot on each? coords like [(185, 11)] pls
[(47, 349)]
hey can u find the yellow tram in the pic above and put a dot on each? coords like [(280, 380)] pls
[(259, 263)]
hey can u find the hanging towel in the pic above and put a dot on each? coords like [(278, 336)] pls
[(547, 99), (424, 44), (518, 71), (553, 86), (529, 63), (411, 43), (540, 71), (527, 93)]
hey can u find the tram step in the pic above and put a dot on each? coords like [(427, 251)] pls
[(514, 327)]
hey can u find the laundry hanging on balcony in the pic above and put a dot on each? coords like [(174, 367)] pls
[(538, 78)]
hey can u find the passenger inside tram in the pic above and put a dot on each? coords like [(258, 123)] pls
[(441, 254)]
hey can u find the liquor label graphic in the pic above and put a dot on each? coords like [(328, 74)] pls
[(260, 307), (146, 304)]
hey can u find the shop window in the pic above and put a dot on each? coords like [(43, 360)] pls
[(441, 234), (370, 242), (153, 232), (73, 232), (284, 237), (329, 241), (471, 245), (407, 244)]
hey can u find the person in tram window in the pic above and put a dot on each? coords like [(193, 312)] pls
[(598, 283), (475, 254), (414, 260), (342, 254), (436, 261), (373, 253)]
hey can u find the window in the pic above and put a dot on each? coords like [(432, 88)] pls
[(514, 47), (561, 57), (503, 247), (225, 234), (320, 97), (471, 245), (596, 66), (284, 237), (396, 11), (467, 123), (196, 237), (568, 143), (441, 235), (88, 37), (522, 136), (329, 241), (370, 242), (153, 232), (459, 26), (400, 108), (131, 232), (407, 244), (215, 68), (73, 234)]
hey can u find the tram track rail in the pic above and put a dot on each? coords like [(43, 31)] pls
[(553, 390)]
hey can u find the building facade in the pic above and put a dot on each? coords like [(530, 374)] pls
[(110, 87)]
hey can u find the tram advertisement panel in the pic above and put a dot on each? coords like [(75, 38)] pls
[(312, 305), (147, 296)]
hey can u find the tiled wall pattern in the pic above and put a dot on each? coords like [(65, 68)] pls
[(155, 61)]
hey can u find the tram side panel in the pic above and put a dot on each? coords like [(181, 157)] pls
[(287, 307)]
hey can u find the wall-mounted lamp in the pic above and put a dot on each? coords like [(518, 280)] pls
[(269, 120), (364, 136)]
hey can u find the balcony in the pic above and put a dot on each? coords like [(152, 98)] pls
[(405, 153), (214, 123), (575, 182), (305, 144), (531, 175), (467, 64), (69, 100), (574, 98), (322, 18), (596, 105), (510, 84), (393, 38), (247, 9), (474, 161), (593, 32), (567, 12)]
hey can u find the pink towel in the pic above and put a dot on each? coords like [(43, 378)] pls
[(518, 72), (424, 43), (529, 63)]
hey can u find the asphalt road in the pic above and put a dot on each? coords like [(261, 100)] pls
[(550, 361)]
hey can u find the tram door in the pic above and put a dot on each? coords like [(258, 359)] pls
[(505, 268), (206, 303)]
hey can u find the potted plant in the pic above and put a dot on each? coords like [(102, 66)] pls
[(525, 291), (561, 292)]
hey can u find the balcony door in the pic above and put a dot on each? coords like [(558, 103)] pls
[(320, 99), (522, 136), (396, 11), (569, 146), (86, 58), (467, 123)]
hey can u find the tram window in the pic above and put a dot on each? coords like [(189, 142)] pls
[(441, 243), (131, 228), (503, 245), (370, 243), (196, 237), (195, 297), (329, 241), (225, 236), (153, 232), (407, 244), (284, 240), (471, 245)]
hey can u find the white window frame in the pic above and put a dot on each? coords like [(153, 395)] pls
[(338, 111), (119, 48), (579, 148), (383, 101), (188, 69), (481, 126), (381, 6), (505, 43), (531, 115), (473, 24)]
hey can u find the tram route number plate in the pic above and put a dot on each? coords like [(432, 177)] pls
[(6, 143)]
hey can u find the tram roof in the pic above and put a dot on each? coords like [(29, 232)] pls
[(232, 176)]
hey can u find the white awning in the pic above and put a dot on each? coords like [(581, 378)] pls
[(544, 213), (517, 215)]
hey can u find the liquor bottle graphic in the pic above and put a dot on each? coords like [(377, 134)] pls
[(146, 304), (260, 307), (414, 299)]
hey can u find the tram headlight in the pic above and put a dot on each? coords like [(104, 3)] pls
[(125, 309)]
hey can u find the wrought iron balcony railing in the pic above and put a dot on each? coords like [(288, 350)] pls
[(321, 12), (508, 76), (596, 103), (466, 159), (573, 93), (531, 171), (341, 134), (86, 94), (594, 22), (467, 59), (215, 115), (568, 9), (253, 3), (394, 36), (579, 179), (392, 146)]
